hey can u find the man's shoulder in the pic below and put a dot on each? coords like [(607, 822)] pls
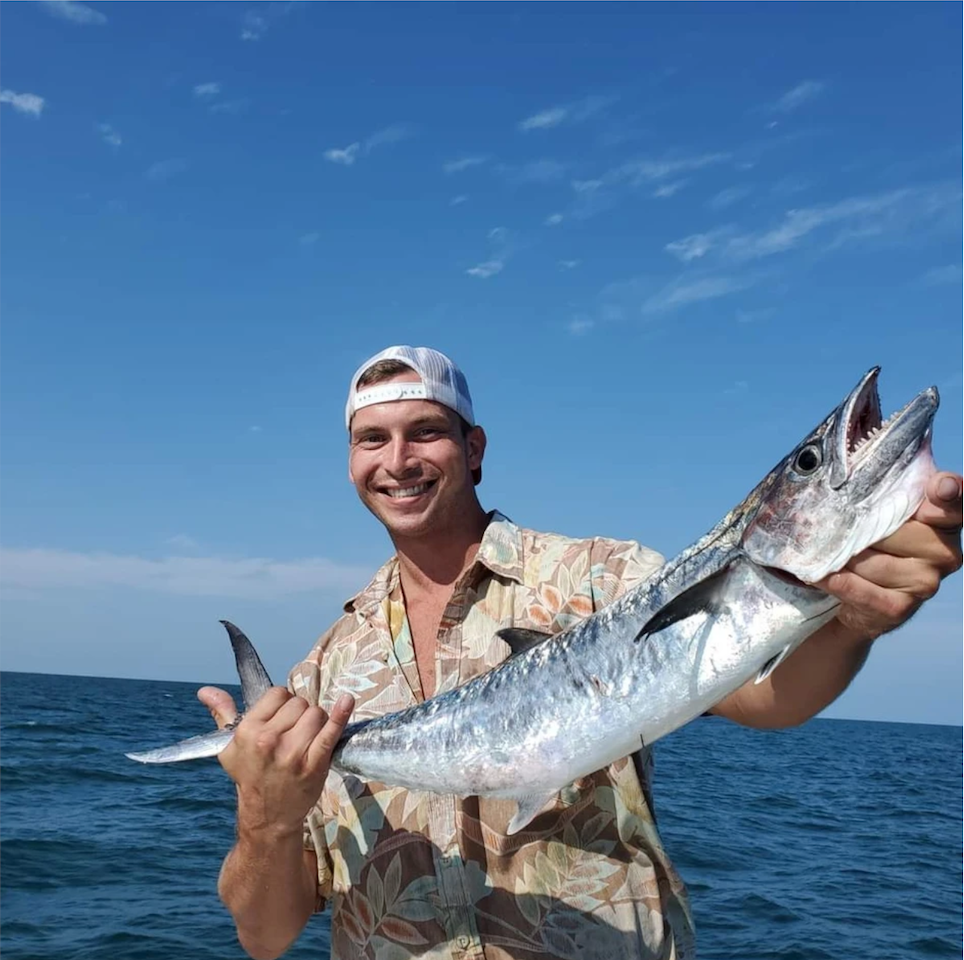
[(601, 550)]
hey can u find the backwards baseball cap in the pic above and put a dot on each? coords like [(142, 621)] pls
[(442, 381)]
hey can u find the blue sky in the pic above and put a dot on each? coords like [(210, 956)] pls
[(662, 241)]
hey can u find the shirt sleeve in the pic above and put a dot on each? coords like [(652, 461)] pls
[(618, 566), (305, 681)]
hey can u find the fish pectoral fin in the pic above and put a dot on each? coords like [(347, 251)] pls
[(255, 681), (519, 639), (700, 598), (773, 663), (194, 748), (529, 806)]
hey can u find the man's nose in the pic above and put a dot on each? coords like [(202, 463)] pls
[(400, 461)]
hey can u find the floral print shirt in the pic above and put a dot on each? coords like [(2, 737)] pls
[(417, 874)]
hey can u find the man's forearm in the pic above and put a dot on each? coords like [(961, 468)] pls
[(269, 887), (810, 679)]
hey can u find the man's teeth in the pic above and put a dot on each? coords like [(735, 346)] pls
[(408, 491)]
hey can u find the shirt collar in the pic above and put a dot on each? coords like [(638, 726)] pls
[(501, 552)]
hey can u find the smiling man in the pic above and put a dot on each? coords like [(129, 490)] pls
[(420, 874)]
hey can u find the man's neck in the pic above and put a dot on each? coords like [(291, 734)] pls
[(426, 565)]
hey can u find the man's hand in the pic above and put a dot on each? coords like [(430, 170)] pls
[(883, 586), (279, 756)]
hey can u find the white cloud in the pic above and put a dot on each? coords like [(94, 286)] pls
[(648, 170), (729, 196), (456, 201), (73, 12), (307, 239), (497, 235), (754, 316), (230, 106), (109, 135), (28, 103), (668, 189), (487, 269), (694, 246), (545, 119), (345, 157), (463, 163), (860, 217), (681, 292), (941, 275), (575, 112), (579, 326), (206, 90), (569, 264), (536, 171), (253, 25), (391, 134), (554, 219), (799, 95), (165, 169), (257, 578)]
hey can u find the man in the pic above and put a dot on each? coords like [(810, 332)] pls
[(420, 874)]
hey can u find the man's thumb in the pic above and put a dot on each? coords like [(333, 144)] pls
[(220, 703)]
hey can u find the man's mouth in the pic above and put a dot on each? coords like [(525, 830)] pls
[(415, 490)]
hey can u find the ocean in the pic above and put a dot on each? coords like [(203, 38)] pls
[(839, 839)]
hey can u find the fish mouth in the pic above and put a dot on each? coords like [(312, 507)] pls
[(861, 434)]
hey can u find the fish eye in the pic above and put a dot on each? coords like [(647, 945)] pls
[(808, 459)]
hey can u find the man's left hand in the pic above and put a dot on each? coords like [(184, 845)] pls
[(883, 586)]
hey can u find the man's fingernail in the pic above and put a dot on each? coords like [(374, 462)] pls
[(948, 489)]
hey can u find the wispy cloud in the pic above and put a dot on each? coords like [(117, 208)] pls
[(253, 25), (28, 103), (309, 239), (458, 201), (501, 247), (259, 578), (694, 246), (109, 135), (73, 12), (579, 326), (569, 264), (855, 218), (346, 156), (575, 112), (596, 195), (939, 276), (667, 190), (798, 95), (683, 291), (754, 316), (233, 107), (536, 171), (488, 268), (553, 220), (182, 543), (463, 163), (204, 91), (729, 196), (165, 169)]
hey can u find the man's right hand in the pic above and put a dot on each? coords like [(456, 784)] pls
[(279, 756)]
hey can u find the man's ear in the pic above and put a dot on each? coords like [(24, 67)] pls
[(475, 446)]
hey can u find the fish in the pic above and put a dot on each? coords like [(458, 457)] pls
[(728, 609)]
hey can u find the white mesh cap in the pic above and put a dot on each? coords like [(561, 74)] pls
[(442, 381)]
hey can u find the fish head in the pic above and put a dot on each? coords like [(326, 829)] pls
[(852, 482)]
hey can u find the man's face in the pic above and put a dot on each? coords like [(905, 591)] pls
[(411, 465)]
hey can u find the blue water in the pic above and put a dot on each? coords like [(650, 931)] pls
[(840, 839)]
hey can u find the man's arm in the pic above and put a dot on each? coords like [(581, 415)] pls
[(880, 589), (278, 759)]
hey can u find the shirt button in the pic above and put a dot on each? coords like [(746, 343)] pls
[(463, 942)]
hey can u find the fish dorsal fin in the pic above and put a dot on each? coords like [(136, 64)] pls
[(519, 639), (773, 663), (254, 678), (700, 598), (529, 806)]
